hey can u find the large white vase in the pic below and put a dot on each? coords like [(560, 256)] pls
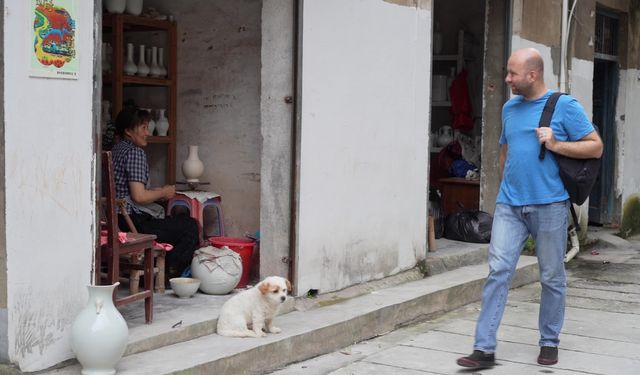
[(115, 6), (192, 168), (99, 333), (219, 270), (162, 125)]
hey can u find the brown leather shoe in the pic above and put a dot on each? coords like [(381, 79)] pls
[(477, 360)]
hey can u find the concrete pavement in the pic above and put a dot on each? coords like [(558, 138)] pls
[(601, 334)]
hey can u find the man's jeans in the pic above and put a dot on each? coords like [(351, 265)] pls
[(547, 224)]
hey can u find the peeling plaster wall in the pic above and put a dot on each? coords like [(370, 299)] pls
[(363, 142), (219, 100), (49, 185), (4, 348)]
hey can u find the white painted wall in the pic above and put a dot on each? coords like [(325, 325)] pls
[(628, 133), (49, 193), (363, 141)]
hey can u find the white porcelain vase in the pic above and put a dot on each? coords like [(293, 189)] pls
[(130, 67), (152, 122), (192, 168), (154, 70), (163, 68), (115, 6), (134, 7), (162, 125), (219, 270), (99, 333), (142, 68)]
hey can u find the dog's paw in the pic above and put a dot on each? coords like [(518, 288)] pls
[(275, 330), (260, 333)]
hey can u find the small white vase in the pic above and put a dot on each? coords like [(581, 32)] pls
[(143, 69), (134, 7), (154, 71), (115, 6), (99, 333), (163, 69), (192, 168), (152, 123), (130, 67), (162, 125)]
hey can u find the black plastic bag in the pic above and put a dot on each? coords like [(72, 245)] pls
[(468, 226)]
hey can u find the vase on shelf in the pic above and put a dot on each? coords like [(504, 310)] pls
[(134, 7), (154, 71), (142, 68), (99, 333), (130, 67), (163, 69), (115, 6), (192, 168), (162, 125), (152, 123)]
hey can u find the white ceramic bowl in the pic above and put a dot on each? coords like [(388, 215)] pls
[(184, 287)]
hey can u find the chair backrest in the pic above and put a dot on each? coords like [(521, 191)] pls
[(109, 195)]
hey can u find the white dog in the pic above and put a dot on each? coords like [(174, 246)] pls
[(249, 312)]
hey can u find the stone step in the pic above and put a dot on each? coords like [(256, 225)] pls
[(310, 333)]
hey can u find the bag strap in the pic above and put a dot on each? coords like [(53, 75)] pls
[(545, 118)]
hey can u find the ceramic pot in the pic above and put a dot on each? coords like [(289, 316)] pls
[(192, 168), (142, 68), (99, 333), (219, 270), (130, 67), (115, 6), (134, 7), (162, 125), (445, 135), (154, 70)]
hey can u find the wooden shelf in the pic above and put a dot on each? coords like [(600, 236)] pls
[(117, 25), (137, 23), (445, 103)]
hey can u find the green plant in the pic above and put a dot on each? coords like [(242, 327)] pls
[(529, 247)]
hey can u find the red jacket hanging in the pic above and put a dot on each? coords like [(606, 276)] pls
[(460, 103)]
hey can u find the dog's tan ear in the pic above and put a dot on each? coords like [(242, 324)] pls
[(288, 285), (264, 287)]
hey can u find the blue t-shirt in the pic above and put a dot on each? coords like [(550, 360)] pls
[(527, 179)]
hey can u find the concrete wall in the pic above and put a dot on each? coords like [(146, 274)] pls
[(219, 100), (4, 344), (49, 189), (277, 122), (363, 142)]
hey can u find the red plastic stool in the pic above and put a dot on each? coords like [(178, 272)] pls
[(199, 211)]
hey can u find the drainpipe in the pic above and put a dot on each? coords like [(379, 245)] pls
[(563, 47)]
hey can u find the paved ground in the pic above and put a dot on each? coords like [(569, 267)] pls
[(601, 334)]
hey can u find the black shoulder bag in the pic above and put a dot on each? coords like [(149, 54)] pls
[(578, 175)]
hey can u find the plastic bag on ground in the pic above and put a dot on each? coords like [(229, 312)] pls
[(468, 226)]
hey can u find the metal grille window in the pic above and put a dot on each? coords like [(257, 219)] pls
[(606, 42)]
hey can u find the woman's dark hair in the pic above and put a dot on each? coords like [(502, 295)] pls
[(129, 118)]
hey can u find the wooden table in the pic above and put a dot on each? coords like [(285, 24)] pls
[(457, 192)]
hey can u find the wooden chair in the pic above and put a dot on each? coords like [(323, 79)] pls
[(158, 254), (112, 252)]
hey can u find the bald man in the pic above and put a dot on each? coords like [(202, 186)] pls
[(532, 201)]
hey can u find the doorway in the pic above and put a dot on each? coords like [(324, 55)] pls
[(605, 89)]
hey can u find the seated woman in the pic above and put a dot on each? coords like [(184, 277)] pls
[(131, 174)]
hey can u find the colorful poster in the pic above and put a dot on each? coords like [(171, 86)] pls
[(53, 26)]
